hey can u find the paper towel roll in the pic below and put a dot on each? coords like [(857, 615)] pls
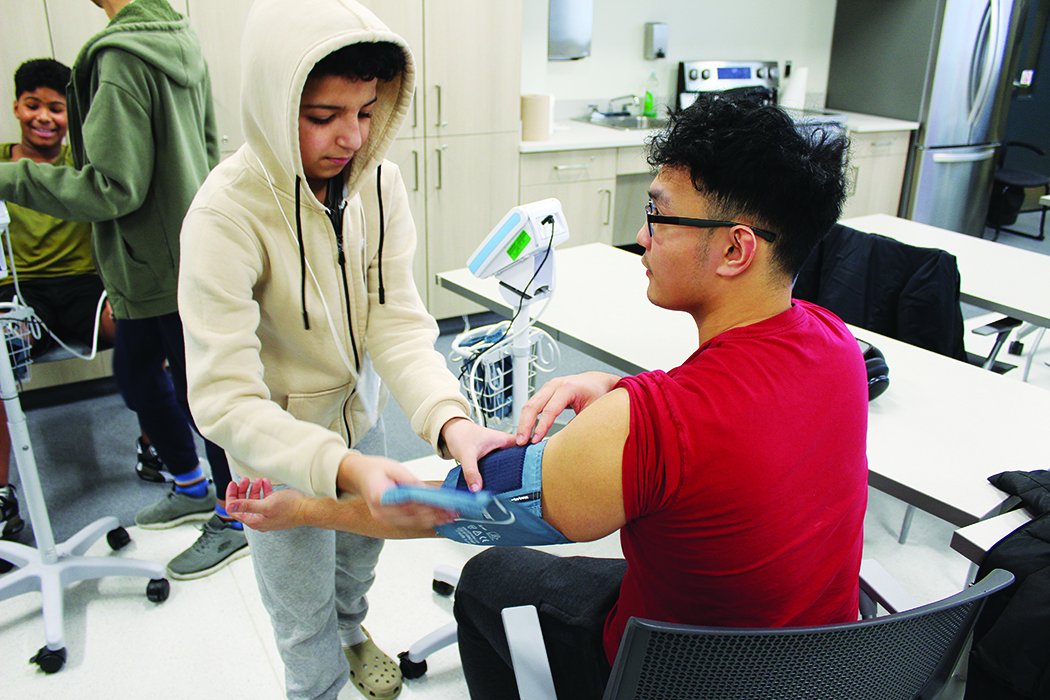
[(537, 117), (794, 94)]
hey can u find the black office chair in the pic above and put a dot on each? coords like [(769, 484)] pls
[(1008, 193), (901, 656)]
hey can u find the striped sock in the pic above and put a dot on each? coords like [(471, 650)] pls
[(226, 519), (192, 483)]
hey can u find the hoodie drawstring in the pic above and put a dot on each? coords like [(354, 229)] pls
[(302, 254), (382, 231)]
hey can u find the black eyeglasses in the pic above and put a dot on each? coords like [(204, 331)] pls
[(652, 218)]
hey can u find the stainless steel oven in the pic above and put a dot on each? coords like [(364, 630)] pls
[(760, 79)]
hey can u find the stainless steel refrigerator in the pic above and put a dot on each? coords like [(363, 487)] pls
[(947, 64)]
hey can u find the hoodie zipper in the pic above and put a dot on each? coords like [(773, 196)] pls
[(336, 217)]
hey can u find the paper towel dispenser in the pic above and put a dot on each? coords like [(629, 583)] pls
[(570, 25)]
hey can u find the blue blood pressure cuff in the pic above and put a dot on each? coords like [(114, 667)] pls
[(514, 517)]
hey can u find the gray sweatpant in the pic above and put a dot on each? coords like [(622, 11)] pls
[(313, 584)]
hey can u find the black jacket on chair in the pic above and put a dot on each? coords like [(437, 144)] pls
[(1011, 640), (901, 291)]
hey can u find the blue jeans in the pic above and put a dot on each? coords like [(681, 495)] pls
[(158, 397)]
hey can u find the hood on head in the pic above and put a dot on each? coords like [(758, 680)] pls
[(283, 40)]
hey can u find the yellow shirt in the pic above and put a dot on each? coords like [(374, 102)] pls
[(45, 247)]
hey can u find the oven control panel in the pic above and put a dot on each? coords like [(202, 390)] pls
[(710, 76)]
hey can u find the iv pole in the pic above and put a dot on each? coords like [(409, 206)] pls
[(51, 567)]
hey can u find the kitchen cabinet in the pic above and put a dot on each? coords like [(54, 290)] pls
[(875, 172), (213, 22), (584, 181), (633, 177), (459, 143), (408, 155), (472, 53), (472, 182)]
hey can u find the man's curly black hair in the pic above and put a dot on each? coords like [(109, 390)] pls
[(751, 159)]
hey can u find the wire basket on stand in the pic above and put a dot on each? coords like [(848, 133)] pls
[(487, 370), (17, 333)]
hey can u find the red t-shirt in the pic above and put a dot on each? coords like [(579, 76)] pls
[(745, 480)]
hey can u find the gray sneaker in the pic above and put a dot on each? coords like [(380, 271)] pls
[(218, 545), (176, 508)]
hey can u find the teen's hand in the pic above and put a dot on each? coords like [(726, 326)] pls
[(369, 477), (468, 442)]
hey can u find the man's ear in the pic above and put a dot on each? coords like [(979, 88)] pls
[(739, 251)]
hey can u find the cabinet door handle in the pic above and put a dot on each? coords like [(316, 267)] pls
[(415, 166), (608, 206), (439, 165), (582, 166), (438, 110), (415, 112)]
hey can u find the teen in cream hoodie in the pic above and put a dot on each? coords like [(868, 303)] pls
[(284, 314)]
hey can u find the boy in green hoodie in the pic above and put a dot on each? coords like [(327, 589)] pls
[(142, 132)]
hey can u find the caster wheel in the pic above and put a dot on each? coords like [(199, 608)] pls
[(442, 588), (50, 660), (411, 669), (157, 590), (118, 538)]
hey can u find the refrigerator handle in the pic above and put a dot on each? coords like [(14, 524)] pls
[(963, 157), (986, 48)]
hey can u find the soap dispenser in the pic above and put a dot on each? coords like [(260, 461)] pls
[(652, 89)]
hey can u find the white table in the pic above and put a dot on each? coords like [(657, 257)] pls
[(934, 437), (974, 541), (994, 276)]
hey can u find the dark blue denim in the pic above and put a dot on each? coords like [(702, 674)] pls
[(158, 397)]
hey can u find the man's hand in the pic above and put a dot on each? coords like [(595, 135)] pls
[(468, 442), (577, 392), (258, 506)]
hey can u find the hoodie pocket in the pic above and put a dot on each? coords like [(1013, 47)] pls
[(324, 408)]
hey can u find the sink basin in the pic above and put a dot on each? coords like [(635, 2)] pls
[(626, 123)]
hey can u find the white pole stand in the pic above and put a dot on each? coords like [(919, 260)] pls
[(48, 567), (521, 285)]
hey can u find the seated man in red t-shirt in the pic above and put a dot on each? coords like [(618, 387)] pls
[(738, 480)]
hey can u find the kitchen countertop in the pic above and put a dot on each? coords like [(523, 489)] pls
[(570, 135)]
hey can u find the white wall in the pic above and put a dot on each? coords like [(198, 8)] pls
[(767, 30)]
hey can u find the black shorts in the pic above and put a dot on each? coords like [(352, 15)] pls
[(67, 306)]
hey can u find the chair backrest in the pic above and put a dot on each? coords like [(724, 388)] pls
[(901, 656), (886, 286)]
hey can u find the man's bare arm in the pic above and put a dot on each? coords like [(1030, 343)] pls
[(583, 470)]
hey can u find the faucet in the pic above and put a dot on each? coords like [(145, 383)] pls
[(626, 105)]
